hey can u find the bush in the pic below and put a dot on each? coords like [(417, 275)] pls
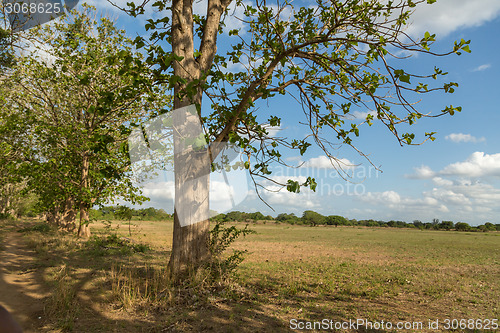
[(221, 237)]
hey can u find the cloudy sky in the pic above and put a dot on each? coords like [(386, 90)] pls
[(456, 177)]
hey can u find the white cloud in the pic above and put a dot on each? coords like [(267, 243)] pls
[(478, 164), (159, 190), (403, 205), (448, 196), (446, 16), (272, 130), (323, 162), (362, 115), (422, 172), (481, 68), (289, 199), (388, 198), (438, 181), (460, 137), (459, 192)]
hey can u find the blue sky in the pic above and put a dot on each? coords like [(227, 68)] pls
[(456, 177)]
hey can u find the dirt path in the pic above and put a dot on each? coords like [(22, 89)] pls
[(21, 290)]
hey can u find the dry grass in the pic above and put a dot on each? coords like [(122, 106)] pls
[(290, 272)]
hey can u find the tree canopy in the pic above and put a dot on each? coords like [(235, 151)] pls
[(331, 56), (77, 98)]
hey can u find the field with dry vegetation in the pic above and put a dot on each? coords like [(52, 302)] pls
[(117, 283)]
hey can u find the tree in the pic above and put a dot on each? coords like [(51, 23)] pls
[(326, 55), (6, 53), (462, 226), (447, 225), (125, 213), (7, 42), (76, 110), (312, 218), (336, 220)]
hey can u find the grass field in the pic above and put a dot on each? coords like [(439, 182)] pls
[(290, 272)]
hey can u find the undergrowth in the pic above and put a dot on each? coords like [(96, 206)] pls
[(153, 287)]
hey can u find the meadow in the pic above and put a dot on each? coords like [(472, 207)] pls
[(291, 275)]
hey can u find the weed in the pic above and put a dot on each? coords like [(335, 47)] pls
[(63, 302), (221, 237), (42, 227), (113, 244)]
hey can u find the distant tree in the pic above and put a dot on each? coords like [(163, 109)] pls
[(462, 226), (336, 220), (428, 225), (312, 218), (288, 218), (256, 216), (373, 224), (235, 216), (125, 213), (418, 224), (446, 225), (489, 226)]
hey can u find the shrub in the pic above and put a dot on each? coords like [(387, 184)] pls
[(221, 237)]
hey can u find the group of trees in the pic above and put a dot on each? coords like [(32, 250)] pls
[(67, 108), (142, 214), (235, 216)]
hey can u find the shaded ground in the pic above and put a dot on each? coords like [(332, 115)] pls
[(22, 290)]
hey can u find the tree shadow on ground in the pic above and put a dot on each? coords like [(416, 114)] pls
[(41, 306), (81, 300)]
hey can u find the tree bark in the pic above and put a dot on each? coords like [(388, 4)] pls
[(84, 227), (192, 176), (68, 218), (189, 246)]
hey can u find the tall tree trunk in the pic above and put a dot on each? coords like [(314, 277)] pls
[(84, 227), (192, 176), (68, 219), (191, 169)]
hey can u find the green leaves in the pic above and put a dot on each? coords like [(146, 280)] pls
[(78, 113), (451, 110), (461, 46), (402, 76), (293, 186), (333, 58)]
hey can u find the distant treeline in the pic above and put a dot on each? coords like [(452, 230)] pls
[(142, 214), (312, 218), (309, 217)]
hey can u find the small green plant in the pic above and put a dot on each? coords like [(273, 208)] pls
[(43, 227), (221, 238), (102, 245), (4, 216)]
